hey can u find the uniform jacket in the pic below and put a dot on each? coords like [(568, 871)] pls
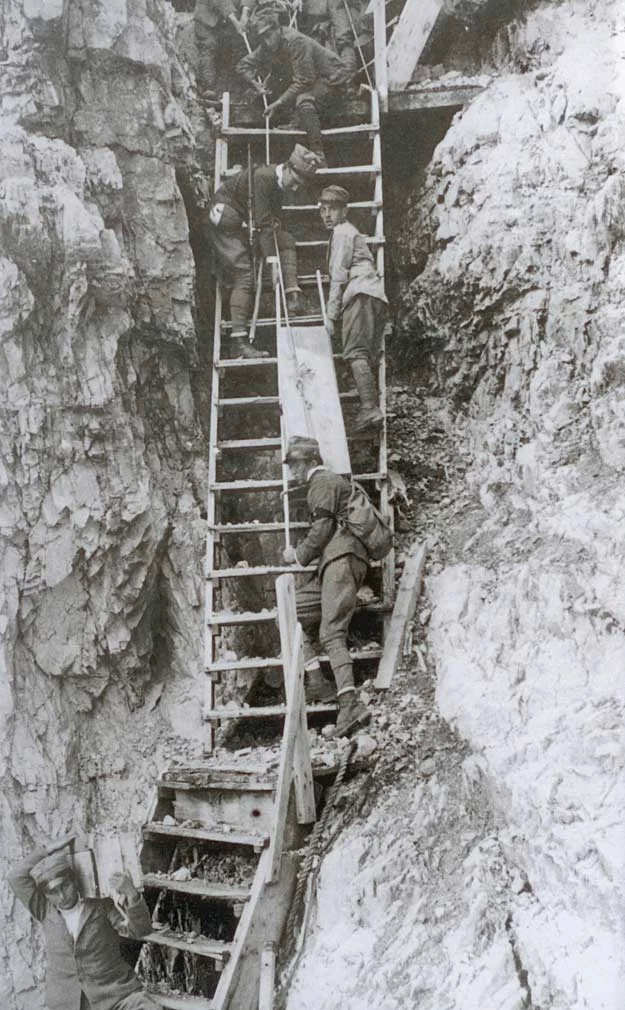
[(211, 12), (92, 963), (299, 62), (351, 269), (267, 196), (327, 496)]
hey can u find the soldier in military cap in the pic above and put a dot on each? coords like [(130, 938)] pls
[(356, 300), (85, 968), (228, 223), (327, 599), (215, 23), (305, 75)]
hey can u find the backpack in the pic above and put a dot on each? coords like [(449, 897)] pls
[(366, 523)]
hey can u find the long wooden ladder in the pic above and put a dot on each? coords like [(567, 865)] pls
[(248, 498)]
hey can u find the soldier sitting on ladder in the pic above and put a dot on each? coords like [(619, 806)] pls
[(85, 967), (214, 21), (356, 300), (229, 234), (305, 74), (327, 599)]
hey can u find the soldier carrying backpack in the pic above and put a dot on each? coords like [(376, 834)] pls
[(326, 600)]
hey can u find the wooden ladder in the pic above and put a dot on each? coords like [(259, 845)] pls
[(252, 504)]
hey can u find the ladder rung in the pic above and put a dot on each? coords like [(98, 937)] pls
[(247, 485), (249, 401), (176, 1001), (256, 527), (271, 321), (222, 618), (245, 362), (264, 711), (243, 573), (357, 205), (333, 131), (268, 662), (322, 242), (236, 837), (349, 170), (204, 947), (247, 663), (202, 888), (251, 443)]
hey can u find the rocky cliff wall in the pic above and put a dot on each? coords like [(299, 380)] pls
[(101, 450), (498, 882)]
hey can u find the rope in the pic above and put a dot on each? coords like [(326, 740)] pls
[(307, 876)]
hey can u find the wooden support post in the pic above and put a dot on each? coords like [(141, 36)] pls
[(409, 588), (302, 769), (267, 976), (292, 726), (379, 42), (408, 40)]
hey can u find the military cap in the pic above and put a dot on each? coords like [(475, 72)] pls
[(304, 163), (301, 447), (334, 194), (52, 868), (265, 21)]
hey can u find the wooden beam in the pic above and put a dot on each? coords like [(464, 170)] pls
[(380, 52), (408, 40), (409, 589), (302, 768), (432, 97), (292, 724), (267, 975)]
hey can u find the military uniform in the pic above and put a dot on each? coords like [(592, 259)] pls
[(304, 74), (88, 972), (213, 34), (356, 294), (328, 598)]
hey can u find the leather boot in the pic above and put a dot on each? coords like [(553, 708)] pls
[(317, 687), (369, 415), (308, 121), (353, 715), (241, 348)]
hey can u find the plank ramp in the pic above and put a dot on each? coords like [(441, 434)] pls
[(408, 40), (405, 601), (309, 392)]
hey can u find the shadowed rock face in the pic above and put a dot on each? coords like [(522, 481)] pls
[(101, 461)]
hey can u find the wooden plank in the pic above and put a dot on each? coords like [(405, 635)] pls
[(302, 769), (267, 976), (202, 946), (200, 888), (380, 52), (408, 40), (409, 588), (235, 837), (432, 97), (178, 1001), (292, 725), (309, 393), (267, 712)]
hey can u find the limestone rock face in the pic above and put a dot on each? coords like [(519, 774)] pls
[(101, 446)]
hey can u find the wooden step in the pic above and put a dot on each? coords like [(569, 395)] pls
[(269, 401), (263, 712), (200, 888), (230, 363), (348, 170), (333, 131), (310, 319), (202, 946), (260, 570), (224, 618), (155, 829), (253, 527), (309, 207), (266, 663), (322, 243), (176, 1001), (220, 780)]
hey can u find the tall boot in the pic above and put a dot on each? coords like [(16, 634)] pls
[(240, 347), (369, 415), (352, 713), (308, 120), (317, 687), (292, 290)]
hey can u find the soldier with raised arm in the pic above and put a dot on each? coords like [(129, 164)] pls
[(85, 969)]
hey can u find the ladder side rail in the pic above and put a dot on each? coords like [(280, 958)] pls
[(380, 56), (267, 976), (292, 726), (212, 538), (302, 770)]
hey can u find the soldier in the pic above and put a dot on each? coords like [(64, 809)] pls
[(319, 18), (228, 218), (357, 300), (213, 21), (307, 75), (327, 600), (85, 966)]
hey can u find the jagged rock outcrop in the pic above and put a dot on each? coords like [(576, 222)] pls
[(517, 319), (102, 451)]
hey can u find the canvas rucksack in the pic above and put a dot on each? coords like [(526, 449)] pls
[(367, 524)]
